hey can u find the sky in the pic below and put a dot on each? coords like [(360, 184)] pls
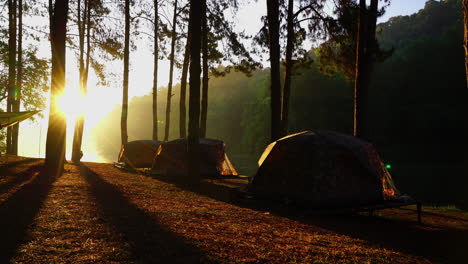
[(402, 8), (101, 100)]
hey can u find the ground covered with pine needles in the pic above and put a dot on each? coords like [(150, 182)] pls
[(97, 213)]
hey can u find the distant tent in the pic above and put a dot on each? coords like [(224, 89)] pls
[(172, 158), (12, 118), (323, 168), (139, 153)]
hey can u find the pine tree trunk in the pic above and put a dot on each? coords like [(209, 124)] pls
[(359, 70), (51, 12), (55, 144), (194, 96), (86, 72), (155, 72), (465, 42), (289, 65), (371, 21), (364, 66), (273, 35), (76, 150), (123, 120), (183, 88), (19, 79), (204, 100), (11, 67), (171, 70), (84, 91)]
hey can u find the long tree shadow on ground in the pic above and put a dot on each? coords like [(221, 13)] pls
[(149, 241), (5, 165), (441, 244), (18, 212), (18, 178)]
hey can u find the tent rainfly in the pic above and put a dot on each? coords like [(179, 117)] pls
[(172, 159), (139, 153), (323, 168)]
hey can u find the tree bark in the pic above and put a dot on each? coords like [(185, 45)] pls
[(183, 87), (19, 79), (371, 20), (155, 72), (171, 70), (204, 100), (364, 67), (359, 70), (11, 67), (88, 55), (51, 12), (289, 65), (275, 88), (55, 144), (76, 151), (465, 42), (88, 50), (123, 120), (85, 76), (194, 96)]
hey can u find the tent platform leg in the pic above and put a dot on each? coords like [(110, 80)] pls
[(418, 206)]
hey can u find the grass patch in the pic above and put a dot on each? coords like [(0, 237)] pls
[(445, 208)]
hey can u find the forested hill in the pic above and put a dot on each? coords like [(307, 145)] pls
[(419, 108)]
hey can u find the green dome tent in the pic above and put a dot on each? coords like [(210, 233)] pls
[(323, 168)]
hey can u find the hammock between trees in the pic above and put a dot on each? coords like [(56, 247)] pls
[(10, 119)]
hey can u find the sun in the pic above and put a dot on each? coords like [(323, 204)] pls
[(71, 103)]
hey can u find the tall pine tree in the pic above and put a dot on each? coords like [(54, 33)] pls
[(55, 144), (171, 71), (155, 71), (19, 79), (11, 66), (194, 96), (123, 120), (275, 86), (465, 41)]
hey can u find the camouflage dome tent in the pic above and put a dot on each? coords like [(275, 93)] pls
[(139, 153), (172, 159), (323, 168)]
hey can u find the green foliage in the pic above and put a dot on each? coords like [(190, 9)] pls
[(310, 23), (35, 80), (418, 100), (256, 118), (338, 53), (35, 77), (224, 44), (105, 38)]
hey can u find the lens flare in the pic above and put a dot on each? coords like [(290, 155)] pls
[(71, 103)]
